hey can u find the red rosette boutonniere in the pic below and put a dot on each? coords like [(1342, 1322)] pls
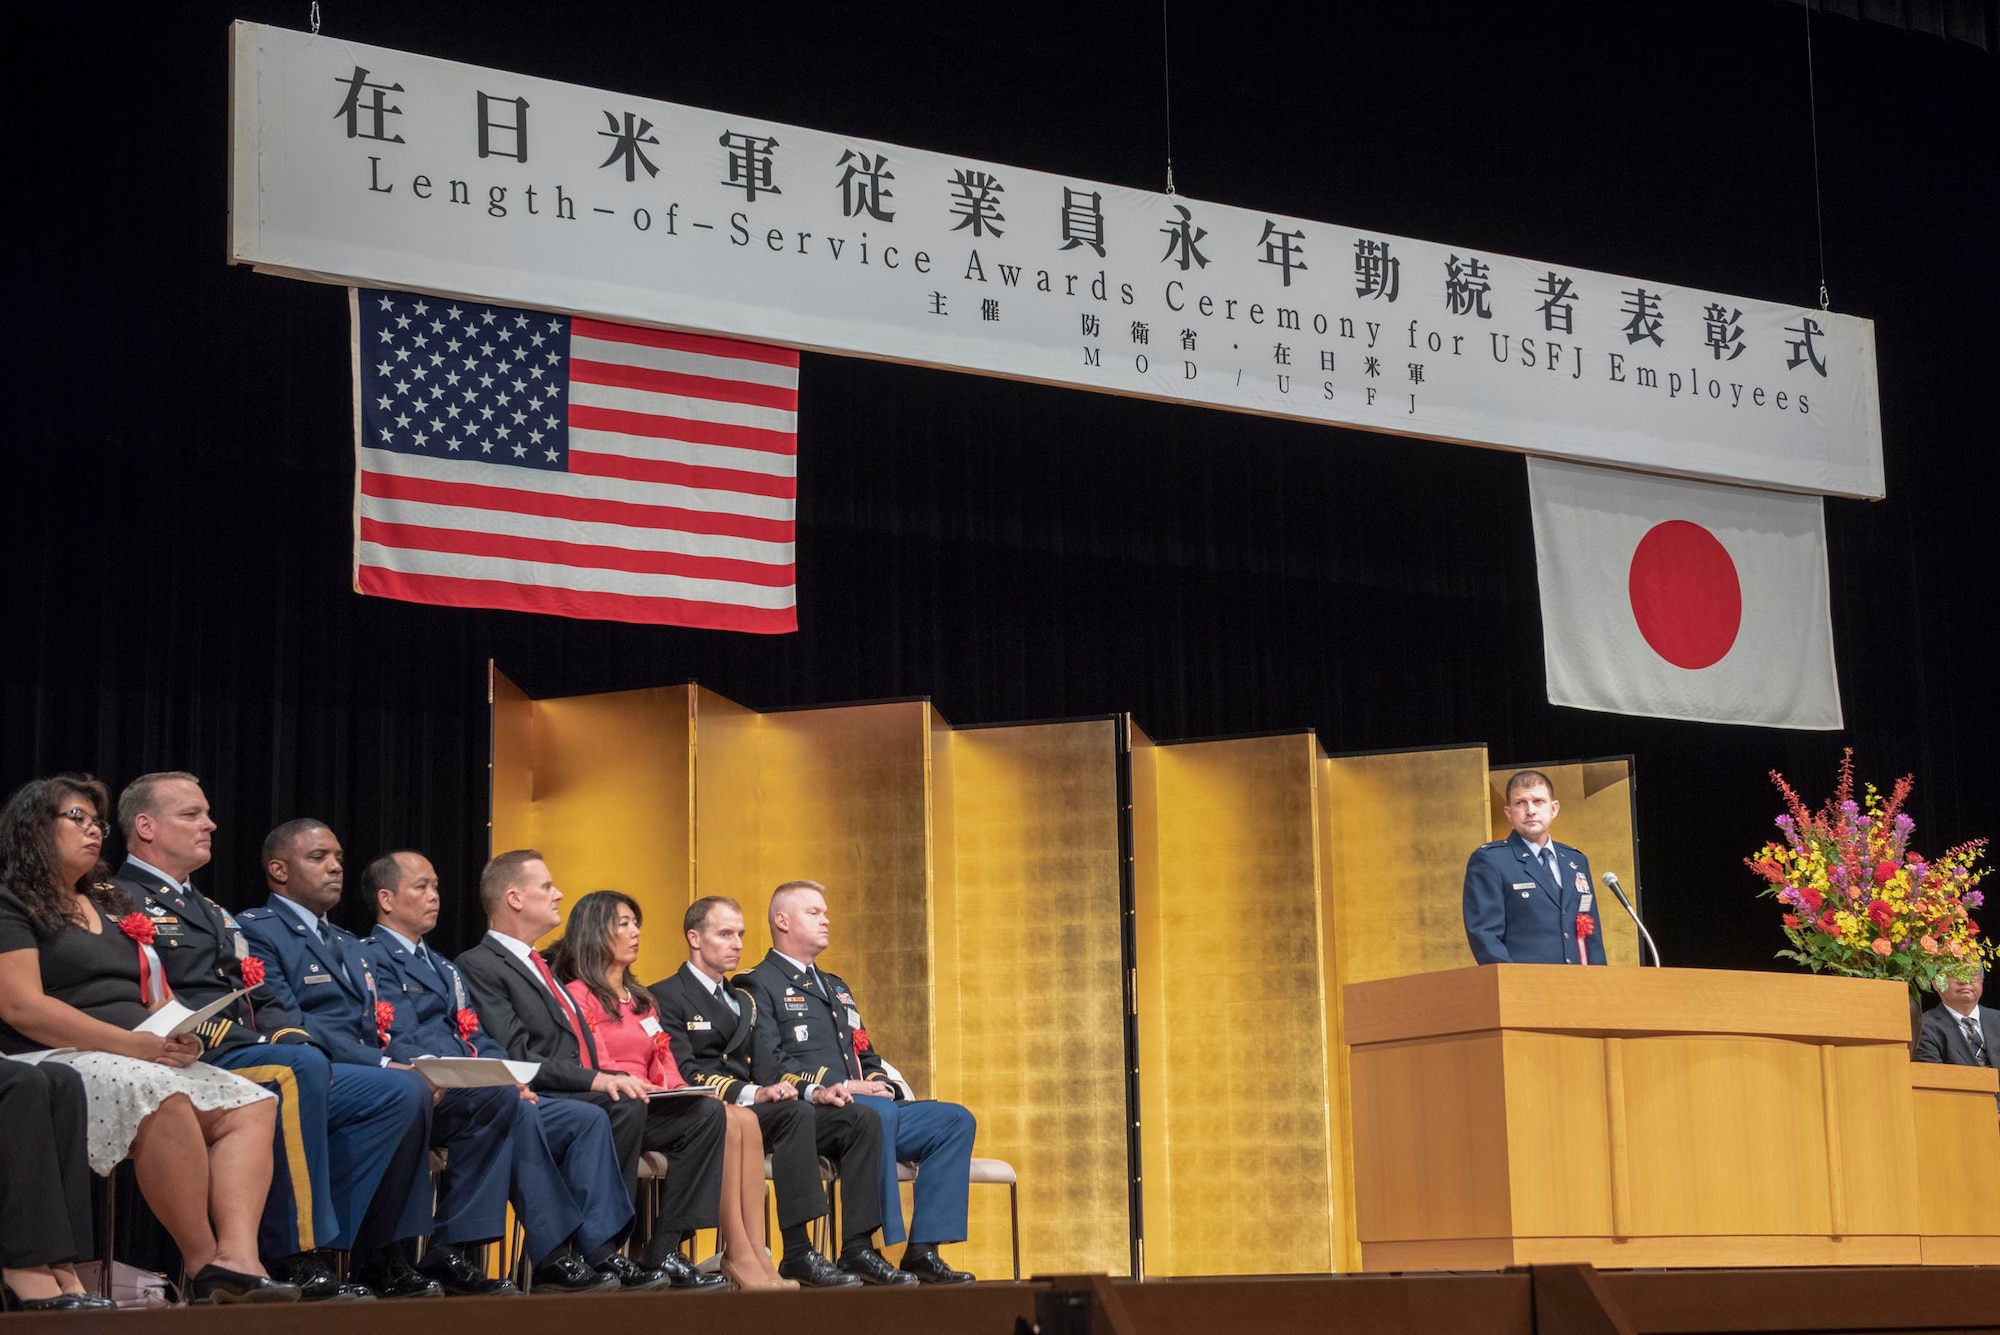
[(139, 927), (253, 971), (1585, 926), (385, 1019), (663, 1047), (467, 1021), (861, 1043)]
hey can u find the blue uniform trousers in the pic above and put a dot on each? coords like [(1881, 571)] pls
[(566, 1178), (348, 1144), (474, 1127), (938, 1138)]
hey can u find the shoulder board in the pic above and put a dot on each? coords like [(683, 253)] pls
[(1497, 843)]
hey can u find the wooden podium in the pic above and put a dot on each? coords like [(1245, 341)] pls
[(1516, 1114)]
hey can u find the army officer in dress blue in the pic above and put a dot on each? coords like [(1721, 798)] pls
[(567, 1190), (346, 1153), (810, 1035), (1528, 899)]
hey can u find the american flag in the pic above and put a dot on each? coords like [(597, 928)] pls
[(545, 463)]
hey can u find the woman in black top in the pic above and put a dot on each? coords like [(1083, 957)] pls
[(76, 970)]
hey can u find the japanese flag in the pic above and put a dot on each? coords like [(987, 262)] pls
[(1683, 599)]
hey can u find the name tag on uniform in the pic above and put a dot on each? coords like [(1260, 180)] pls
[(798, 1033), (317, 978), (650, 1023), (1586, 901), (853, 1018), (1524, 885), (795, 1002), (698, 1023)]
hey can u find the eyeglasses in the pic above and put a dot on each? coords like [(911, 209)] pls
[(76, 816)]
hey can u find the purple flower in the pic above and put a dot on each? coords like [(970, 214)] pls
[(1850, 807), (1904, 824), (1789, 895), (1974, 898)]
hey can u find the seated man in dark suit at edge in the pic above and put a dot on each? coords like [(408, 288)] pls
[(566, 1190), (324, 974), (810, 1034), (521, 1005), (711, 1026), (348, 1150), (1960, 1032)]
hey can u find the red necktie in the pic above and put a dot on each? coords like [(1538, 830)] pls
[(583, 1054)]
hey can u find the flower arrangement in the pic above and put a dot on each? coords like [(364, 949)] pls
[(1859, 900)]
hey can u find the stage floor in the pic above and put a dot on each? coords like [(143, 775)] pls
[(1542, 1300)]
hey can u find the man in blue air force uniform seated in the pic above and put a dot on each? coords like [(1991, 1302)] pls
[(810, 1035), (1526, 894), (347, 1151), (567, 1190), (329, 978)]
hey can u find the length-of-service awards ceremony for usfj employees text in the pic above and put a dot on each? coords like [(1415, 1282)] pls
[(1014, 668)]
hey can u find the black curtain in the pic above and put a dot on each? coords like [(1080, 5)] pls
[(178, 451)]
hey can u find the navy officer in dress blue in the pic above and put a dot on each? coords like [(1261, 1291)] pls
[(567, 1190), (810, 1035), (325, 975), (1528, 899), (347, 1152)]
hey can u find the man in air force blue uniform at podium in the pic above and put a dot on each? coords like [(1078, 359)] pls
[(1526, 895)]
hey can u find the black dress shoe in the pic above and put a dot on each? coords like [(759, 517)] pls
[(870, 1267), (314, 1275), (213, 1284), (391, 1276), (684, 1276), (566, 1272), (457, 1274), (814, 1271), (929, 1268), (630, 1275), (62, 1302)]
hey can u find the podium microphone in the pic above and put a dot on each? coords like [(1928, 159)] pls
[(1611, 879)]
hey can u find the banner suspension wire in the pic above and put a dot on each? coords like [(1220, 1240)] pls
[(313, 17), (1167, 93), (1819, 206)]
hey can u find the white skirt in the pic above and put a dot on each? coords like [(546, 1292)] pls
[(124, 1091)]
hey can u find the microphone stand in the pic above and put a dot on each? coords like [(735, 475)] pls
[(1611, 879)]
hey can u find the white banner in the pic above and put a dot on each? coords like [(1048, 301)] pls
[(357, 164)]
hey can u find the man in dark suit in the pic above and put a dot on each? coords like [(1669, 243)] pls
[(347, 1152), (528, 1014), (1528, 899), (566, 1188), (711, 1027), (810, 1034), (325, 975), (1960, 1032)]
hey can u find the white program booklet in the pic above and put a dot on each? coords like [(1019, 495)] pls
[(172, 1019), (684, 1092), (474, 1072)]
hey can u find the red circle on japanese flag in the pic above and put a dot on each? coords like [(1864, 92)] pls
[(1685, 594)]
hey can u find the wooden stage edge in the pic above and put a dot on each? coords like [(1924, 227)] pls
[(1536, 1300)]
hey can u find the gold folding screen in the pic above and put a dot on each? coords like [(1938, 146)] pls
[(974, 881)]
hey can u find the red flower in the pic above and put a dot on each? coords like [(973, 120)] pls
[(467, 1021), (1885, 872), (1810, 899), (253, 971), (1880, 913), (139, 927), (1791, 920), (663, 1047), (385, 1018), (861, 1043), (1828, 923), (1585, 925)]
